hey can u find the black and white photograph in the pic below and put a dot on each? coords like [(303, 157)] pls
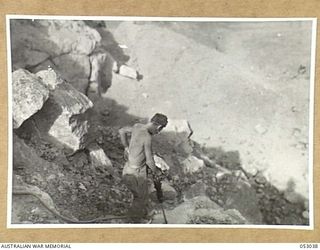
[(160, 122)]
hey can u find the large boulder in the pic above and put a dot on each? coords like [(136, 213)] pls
[(200, 210), (101, 72), (65, 46), (75, 69), (63, 117), (184, 211), (50, 37), (217, 216), (29, 94)]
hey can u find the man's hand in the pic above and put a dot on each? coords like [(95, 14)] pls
[(126, 153), (157, 174)]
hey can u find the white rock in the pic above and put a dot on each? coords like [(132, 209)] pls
[(160, 163), (45, 65), (192, 164), (63, 116), (50, 78), (219, 175), (123, 46), (29, 95), (305, 214), (100, 160), (127, 71), (81, 186), (251, 169), (145, 95), (35, 210)]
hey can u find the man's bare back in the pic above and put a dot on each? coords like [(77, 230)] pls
[(140, 138), (139, 147)]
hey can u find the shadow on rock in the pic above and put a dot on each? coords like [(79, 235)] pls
[(226, 183), (249, 193), (280, 207), (108, 41), (82, 52), (30, 128)]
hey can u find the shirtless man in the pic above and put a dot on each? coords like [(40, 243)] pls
[(139, 152)]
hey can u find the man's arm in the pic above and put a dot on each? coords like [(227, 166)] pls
[(124, 135), (149, 157)]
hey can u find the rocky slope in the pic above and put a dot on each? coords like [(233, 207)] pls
[(242, 86), (67, 145)]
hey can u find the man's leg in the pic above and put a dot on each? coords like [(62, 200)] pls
[(137, 183)]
